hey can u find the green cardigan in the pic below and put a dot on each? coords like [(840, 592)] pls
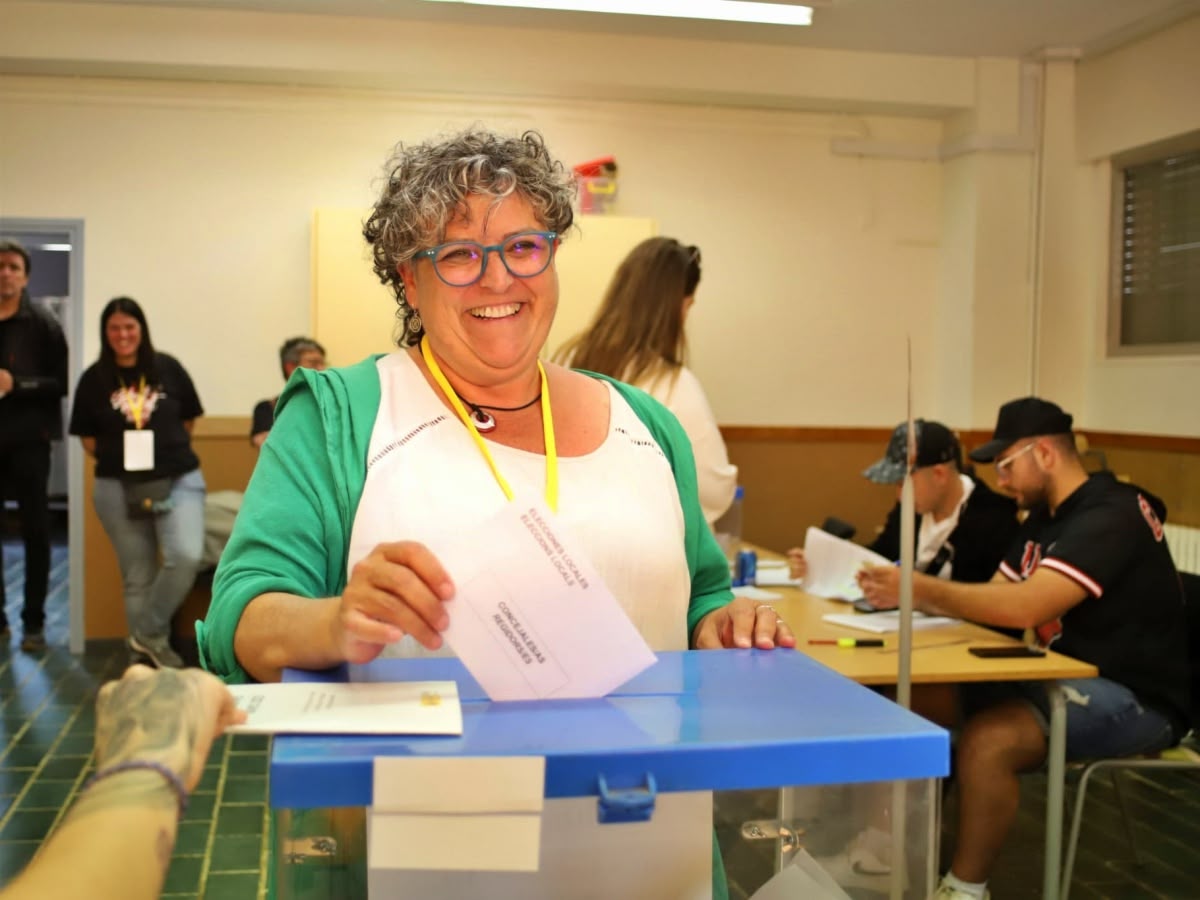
[(293, 531)]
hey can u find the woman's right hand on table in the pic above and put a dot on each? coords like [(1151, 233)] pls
[(797, 564), (397, 589)]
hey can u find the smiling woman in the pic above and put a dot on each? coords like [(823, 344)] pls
[(133, 412), (367, 466)]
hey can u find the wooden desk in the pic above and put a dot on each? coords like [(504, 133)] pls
[(940, 656)]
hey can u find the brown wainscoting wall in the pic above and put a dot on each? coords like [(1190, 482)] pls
[(226, 459), (796, 477)]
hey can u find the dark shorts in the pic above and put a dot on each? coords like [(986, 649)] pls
[(1104, 718)]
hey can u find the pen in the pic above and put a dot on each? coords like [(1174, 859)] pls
[(850, 642)]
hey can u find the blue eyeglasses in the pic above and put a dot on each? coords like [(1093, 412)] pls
[(462, 263)]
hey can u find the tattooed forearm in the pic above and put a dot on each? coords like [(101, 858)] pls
[(149, 719)]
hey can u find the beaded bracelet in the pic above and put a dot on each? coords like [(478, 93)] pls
[(134, 765)]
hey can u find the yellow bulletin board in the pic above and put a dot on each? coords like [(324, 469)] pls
[(353, 315)]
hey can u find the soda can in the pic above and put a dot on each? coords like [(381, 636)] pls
[(746, 569)]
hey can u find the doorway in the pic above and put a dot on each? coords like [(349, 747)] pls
[(56, 283)]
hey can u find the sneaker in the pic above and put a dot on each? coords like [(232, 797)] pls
[(157, 650), (33, 642), (946, 892)]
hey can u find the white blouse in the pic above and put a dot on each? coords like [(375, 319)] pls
[(682, 394), (426, 479)]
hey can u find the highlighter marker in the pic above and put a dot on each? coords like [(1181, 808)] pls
[(850, 642)]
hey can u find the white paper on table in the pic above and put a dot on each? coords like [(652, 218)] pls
[(776, 577), (886, 622), (530, 617), (833, 564), (457, 813), (410, 707), (755, 593)]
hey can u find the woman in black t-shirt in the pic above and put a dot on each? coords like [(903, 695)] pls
[(134, 410)]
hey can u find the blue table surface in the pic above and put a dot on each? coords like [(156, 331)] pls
[(708, 720)]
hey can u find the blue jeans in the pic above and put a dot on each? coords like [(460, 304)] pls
[(154, 589), (1104, 718)]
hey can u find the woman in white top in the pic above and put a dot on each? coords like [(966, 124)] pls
[(372, 470), (638, 336)]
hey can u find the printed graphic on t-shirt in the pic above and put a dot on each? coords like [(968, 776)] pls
[(1151, 517), (137, 404), (1031, 558)]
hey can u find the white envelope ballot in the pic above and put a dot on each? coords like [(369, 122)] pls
[(410, 707), (530, 618)]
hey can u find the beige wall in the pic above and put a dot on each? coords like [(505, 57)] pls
[(844, 201), (1143, 93), (198, 201)]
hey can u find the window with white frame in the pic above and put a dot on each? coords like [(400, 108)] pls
[(1157, 276)]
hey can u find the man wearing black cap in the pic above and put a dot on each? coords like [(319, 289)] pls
[(1090, 575), (964, 526)]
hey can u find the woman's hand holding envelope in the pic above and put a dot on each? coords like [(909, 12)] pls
[(397, 589)]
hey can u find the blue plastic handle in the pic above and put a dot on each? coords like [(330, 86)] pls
[(633, 805)]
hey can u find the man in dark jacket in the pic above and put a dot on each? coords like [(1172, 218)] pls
[(33, 380), (1089, 575), (963, 526)]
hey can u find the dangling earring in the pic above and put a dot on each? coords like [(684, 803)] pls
[(414, 324)]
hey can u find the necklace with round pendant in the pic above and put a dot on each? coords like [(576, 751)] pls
[(484, 421)]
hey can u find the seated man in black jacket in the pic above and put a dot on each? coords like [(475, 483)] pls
[(963, 526)]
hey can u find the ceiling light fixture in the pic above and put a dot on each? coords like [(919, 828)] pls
[(721, 10)]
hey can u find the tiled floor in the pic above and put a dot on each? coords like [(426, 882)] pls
[(47, 726), (46, 734), (46, 737)]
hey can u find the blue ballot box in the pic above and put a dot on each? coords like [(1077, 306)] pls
[(785, 761)]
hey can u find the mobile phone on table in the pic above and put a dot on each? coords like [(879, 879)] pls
[(1006, 652), (863, 605)]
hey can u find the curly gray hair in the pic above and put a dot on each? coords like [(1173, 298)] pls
[(429, 183)]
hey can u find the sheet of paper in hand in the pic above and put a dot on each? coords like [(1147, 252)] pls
[(530, 617), (833, 564)]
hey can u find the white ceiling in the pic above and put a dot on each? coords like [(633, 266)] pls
[(1011, 28)]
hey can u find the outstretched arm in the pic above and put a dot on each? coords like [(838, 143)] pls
[(117, 839)]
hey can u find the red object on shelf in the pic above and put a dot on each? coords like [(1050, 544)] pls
[(601, 166), (597, 183)]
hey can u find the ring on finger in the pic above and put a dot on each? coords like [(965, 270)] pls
[(778, 617)]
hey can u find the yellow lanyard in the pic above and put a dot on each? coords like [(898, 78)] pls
[(547, 428), (136, 401)]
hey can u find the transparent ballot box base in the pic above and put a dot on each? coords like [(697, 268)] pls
[(868, 841), (830, 842)]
